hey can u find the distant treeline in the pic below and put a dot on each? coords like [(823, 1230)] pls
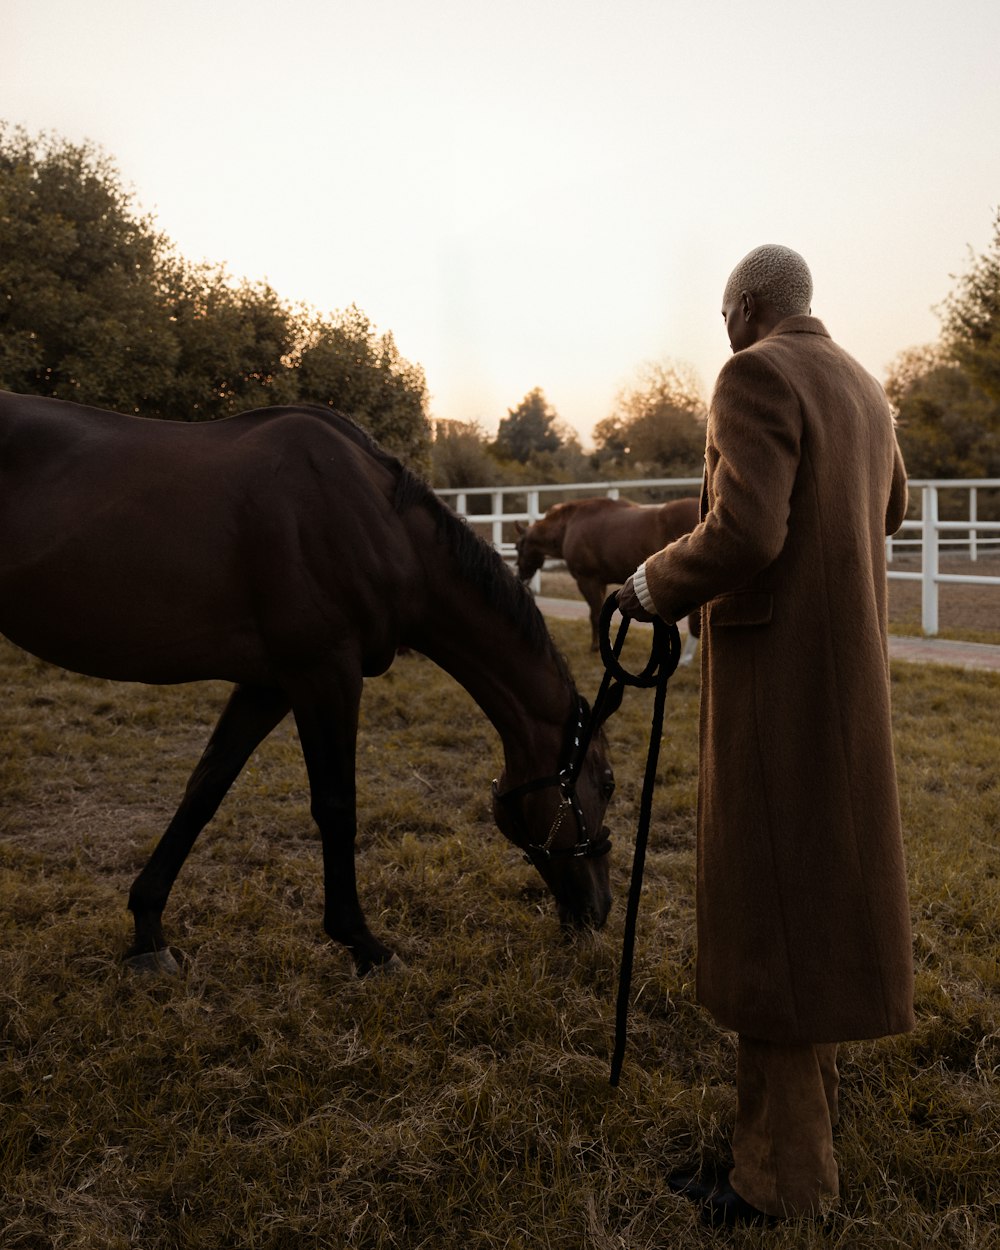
[(97, 306)]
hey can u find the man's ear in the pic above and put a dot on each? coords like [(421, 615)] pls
[(748, 304)]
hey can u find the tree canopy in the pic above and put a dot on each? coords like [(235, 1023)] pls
[(82, 315), (947, 396), (971, 319), (657, 428), (460, 455), (528, 429), (97, 307), (345, 357)]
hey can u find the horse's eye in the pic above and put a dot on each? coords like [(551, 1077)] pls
[(608, 788)]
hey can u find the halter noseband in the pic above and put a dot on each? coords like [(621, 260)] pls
[(585, 847)]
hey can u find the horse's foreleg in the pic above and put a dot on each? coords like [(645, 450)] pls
[(328, 732), (592, 589), (249, 716)]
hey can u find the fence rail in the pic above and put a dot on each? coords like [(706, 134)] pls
[(933, 536)]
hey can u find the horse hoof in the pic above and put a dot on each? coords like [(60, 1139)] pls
[(391, 967), (161, 961)]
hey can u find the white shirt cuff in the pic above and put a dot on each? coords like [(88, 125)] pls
[(642, 590)]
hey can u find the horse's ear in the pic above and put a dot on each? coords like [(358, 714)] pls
[(520, 528)]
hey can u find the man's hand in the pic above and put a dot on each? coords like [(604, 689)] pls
[(629, 605)]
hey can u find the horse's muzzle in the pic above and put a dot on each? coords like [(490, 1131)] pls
[(585, 900), (589, 917)]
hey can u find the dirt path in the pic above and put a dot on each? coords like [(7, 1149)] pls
[(971, 655)]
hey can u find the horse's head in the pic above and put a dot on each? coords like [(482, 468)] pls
[(530, 552), (558, 822)]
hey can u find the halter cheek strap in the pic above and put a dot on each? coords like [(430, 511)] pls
[(566, 779)]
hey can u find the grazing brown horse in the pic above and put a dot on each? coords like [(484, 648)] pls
[(283, 551), (603, 541)]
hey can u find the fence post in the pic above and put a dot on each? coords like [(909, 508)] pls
[(972, 523), (929, 561), (498, 518), (461, 504), (534, 512)]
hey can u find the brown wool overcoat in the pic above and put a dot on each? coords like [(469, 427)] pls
[(803, 918)]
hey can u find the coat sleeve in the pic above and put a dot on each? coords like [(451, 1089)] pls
[(895, 512), (753, 449)]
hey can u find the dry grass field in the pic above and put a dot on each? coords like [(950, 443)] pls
[(266, 1098)]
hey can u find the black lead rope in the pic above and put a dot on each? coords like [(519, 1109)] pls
[(664, 656)]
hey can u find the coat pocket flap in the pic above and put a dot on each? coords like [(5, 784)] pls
[(746, 607)]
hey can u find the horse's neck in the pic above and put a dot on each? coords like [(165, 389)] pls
[(552, 531), (525, 693)]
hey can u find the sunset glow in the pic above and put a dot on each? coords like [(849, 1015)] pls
[(547, 194)]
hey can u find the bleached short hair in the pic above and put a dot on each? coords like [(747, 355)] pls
[(776, 274)]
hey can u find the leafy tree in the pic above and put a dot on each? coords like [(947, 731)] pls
[(233, 344), (81, 316), (95, 306), (971, 319), (947, 426), (460, 456), (947, 396), (567, 463), (529, 428), (657, 428), (344, 363)]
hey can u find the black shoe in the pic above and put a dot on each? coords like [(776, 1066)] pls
[(721, 1205), (690, 1185), (724, 1208)]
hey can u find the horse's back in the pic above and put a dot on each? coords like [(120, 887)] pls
[(37, 431), (678, 517), (63, 466), (609, 538), (160, 550)]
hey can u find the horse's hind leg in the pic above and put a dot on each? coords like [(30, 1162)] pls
[(249, 716), (592, 589)]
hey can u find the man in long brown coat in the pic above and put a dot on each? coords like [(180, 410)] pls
[(803, 919)]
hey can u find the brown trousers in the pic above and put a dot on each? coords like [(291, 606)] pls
[(786, 1107)]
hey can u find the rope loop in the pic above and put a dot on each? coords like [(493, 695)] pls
[(664, 652)]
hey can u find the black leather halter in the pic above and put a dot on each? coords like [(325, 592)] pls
[(586, 846)]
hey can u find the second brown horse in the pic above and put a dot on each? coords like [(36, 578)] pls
[(603, 541)]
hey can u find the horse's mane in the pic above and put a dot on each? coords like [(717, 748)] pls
[(478, 561)]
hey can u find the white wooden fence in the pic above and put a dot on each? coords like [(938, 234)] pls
[(927, 536), (934, 536)]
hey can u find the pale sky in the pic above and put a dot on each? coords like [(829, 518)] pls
[(541, 194)]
